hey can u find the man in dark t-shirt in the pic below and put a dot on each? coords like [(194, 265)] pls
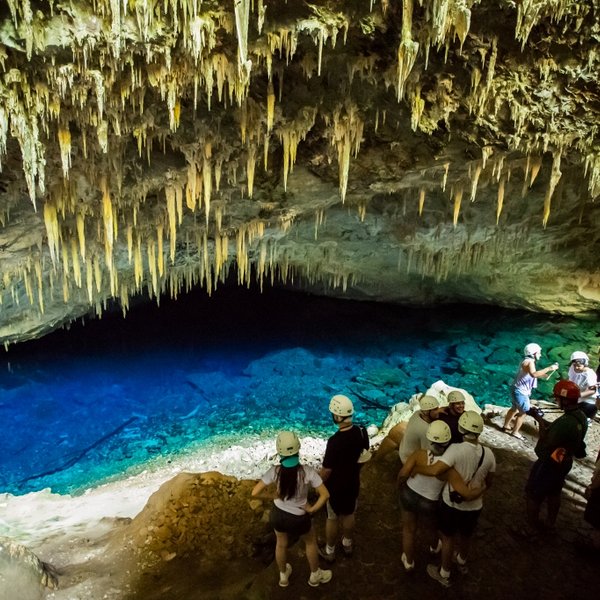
[(451, 415), (346, 450)]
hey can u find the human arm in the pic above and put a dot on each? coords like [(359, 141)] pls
[(437, 468), (529, 367), (454, 478), (323, 493), (325, 473), (407, 467), (262, 491)]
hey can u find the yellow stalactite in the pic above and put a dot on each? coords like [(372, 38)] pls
[(421, 200), (475, 180), (89, 279), (81, 234), (270, 106), (500, 202), (52, 231), (172, 217), (76, 263), (160, 253), (250, 165), (555, 176), (458, 194), (536, 165), (64, 142)]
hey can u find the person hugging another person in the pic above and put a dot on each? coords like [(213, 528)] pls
[(458, 515), (419, 495), (291, 513), (415, 436), (584, 377), (524, 383)]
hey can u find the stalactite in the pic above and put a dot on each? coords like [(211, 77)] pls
[(555, 175), (421, 200), (458, 194), (500, 201)]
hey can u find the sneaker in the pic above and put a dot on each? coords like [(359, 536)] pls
[(461, 564), (434, 573), (319, 576), (328, 556), (408, 567), (348, 550), (436, 549), (284, 578)]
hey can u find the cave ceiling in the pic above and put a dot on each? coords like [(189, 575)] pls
[(416, 151)]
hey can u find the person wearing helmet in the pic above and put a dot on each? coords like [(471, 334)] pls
[(415, 436), (559, 442), (524, 383), (451, 414), (419, 495), (291, 513), (585, 378), (458, 515), (341, 471)]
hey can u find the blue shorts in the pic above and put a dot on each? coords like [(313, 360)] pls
[(520, 401), (413, 502)]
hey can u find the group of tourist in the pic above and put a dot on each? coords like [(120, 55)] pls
[(444, 473)]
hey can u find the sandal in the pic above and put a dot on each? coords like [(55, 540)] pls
[(507, 430), (518, 436)]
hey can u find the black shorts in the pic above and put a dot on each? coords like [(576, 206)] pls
[(592, 509), (285, 522), (343, 503), (452, 521), (547, 478)]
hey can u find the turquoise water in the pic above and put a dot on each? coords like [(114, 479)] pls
[(90, 404)]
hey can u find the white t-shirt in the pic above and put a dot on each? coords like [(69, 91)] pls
[(307, 478), (414, 437), (464, 458), (583, 381), (424, 485)]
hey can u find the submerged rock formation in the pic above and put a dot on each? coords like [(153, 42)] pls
[(415, 151)]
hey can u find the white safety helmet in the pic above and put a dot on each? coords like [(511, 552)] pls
[(532, 349), (428, 403), (439, 432), (341, 406), (471, 421), (287, 443), (455, 396), (580, 356)]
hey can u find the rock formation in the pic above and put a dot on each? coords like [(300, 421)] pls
[(414, 151)]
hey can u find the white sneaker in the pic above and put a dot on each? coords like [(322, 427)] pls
[(437, 549), (461, 564), (434, 573), (407, 566), (284, 578), (320, 576)]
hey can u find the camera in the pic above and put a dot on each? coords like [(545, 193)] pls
[(455, 497), (535, 412)]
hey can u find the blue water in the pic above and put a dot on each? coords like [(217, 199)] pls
[(86, 405)]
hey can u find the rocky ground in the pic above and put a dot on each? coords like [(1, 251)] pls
[(504, 562)]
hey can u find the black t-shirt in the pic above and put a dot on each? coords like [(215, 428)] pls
[(341, 456), (452, 422)]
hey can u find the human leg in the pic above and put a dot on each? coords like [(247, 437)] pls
[(509, 417), (317, 575), (409, 527), (519, 419), (281, 550), (392, 440), (553, 506), (348, 522)]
